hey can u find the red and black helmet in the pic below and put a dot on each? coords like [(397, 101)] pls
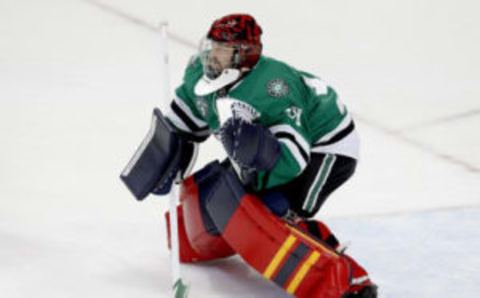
[(242, 32)]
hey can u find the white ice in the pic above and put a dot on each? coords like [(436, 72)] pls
[(77, 85)]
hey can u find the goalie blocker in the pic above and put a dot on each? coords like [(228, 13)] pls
[(217, 218), (160, 158)]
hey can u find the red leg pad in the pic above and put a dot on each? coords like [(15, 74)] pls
[(196, 244), (319, 230), (302, 265), (359, 276), (187, 253)]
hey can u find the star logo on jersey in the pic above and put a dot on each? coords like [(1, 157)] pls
[(202, 106), (277, 88)]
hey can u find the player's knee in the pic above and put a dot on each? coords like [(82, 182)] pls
[(277, 202)]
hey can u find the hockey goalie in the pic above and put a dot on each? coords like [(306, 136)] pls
[(290, 143)]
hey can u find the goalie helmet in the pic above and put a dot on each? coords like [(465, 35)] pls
[(233, 42)]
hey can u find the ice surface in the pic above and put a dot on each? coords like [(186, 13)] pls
[(77, 85)]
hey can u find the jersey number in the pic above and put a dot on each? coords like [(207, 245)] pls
[(321, 88)]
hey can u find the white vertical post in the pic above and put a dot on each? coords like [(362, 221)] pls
[(179, 290)]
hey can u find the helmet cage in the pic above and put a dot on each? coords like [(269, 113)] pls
[(218, 55)]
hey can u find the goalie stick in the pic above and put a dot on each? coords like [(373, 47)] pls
[(180, 289)]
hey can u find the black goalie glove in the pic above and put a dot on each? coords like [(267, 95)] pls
[(250, 145), (162, 157)]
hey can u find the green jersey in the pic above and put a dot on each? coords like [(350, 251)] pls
[(299, 109)]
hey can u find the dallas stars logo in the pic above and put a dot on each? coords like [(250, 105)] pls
[(277, 88)]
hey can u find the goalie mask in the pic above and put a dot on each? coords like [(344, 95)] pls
[(231, 48)]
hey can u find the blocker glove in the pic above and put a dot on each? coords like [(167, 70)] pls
[(162, 157), (250, 145), (180, 169)]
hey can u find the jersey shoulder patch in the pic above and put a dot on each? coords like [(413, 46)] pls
[(277, 87)]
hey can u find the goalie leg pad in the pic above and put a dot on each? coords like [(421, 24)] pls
[(186, 252), (358, 277), (319, 230), (300, 264), (202, 234)]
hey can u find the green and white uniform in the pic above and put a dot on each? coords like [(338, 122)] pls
[(302, 111)]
